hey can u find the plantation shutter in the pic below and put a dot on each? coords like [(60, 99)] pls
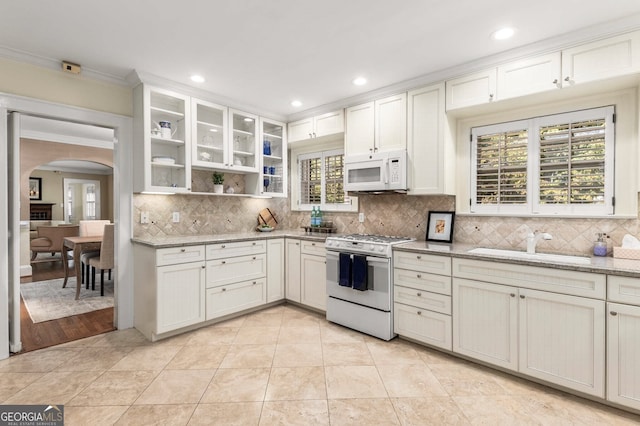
[(334, 178), (310, 172)]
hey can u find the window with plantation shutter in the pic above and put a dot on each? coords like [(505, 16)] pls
[(321, 181), (560, 164)]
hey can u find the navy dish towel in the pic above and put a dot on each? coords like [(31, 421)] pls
[(345, 270), (359, 272)]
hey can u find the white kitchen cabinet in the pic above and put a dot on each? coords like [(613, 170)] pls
[(543, 322), (170, 288), (528, 76), (292, 270), (474, 89), (623, 354), (562, 340), (232, 298), (236, 277), (209, 145), (180, 297), (422, 297), (485, 322), (313, 272), (360, 129), (431, 160), (243, 142), (273, 163), (611, 57), (331, 123), (377, 126), (162, 160), (275, 269)]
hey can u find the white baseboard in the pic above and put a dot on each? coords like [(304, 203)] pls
[(25, 271)]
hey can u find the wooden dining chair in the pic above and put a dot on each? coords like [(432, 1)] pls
[(90, 228), (105, 260)]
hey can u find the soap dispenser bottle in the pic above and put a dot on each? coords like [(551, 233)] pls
[(600, 246)]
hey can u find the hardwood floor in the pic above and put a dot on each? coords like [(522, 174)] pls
[(55, 332)]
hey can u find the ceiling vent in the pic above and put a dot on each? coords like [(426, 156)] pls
[(70, 67)]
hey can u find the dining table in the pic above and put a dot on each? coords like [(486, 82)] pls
[(78, 245)]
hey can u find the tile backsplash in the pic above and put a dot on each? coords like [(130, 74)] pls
[(389, 214)]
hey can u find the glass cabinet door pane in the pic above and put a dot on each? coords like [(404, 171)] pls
[(244, 140), (209, 138)]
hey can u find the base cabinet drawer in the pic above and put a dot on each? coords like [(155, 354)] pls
[(176, 255), (422, 281), (228, 299), (423, 299), (424, 326), (313, 248), (430, 263), (230, 270), (240, 248)]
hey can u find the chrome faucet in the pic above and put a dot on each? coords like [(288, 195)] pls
[(533, 238)]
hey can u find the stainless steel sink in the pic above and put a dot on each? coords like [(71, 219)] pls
[(515, 254)]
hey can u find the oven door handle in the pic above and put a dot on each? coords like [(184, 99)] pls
[(374, 259)]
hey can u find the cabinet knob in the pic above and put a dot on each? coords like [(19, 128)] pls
[(224, 289), (183, 250), (297, 244), (223, 262), (613, 313), (567, 79), (419, 312), (418, 257), (313, 244), (522, 296), (419, 275), (223, 246), (314, 134), (490, 97), (204, 267), (555, 81), (255, 282), (310, 136), (254, 258), (254, 244), (419, 294), (512, 295)]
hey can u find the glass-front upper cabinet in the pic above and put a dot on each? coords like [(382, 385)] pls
[(274, 158), (243, 137), (209, 142), (162, 155)]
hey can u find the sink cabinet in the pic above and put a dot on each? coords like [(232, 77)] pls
[(517, 317)]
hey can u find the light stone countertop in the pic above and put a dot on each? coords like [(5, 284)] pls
[(192, 240), (601, 265)]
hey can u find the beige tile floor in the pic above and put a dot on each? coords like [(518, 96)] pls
[(282, 365)]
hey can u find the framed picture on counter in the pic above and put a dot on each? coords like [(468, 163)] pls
[(440, 226)]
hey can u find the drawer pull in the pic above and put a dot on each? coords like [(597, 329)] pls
[(419, 275), (224, 289), (254, 258), (204, 267), (254, 244), (419, 312), (613, 313), (223, 246), (512, 295), (223, 262), (255, 282), (183, 250), (313, 244), (419, 294), (522, 296), (419, 257)]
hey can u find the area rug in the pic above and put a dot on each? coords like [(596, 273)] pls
[(47, 300)]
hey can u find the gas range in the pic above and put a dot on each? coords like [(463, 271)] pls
[(375, 245)]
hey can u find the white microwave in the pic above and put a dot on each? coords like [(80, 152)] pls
[(376, 172)]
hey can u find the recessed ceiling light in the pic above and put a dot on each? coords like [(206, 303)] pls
[(296, 103), (360, 81), (197, 78), (503, 33)]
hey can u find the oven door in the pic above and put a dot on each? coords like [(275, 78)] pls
[(378, 293)]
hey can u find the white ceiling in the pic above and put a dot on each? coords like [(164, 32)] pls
[(265, 53)]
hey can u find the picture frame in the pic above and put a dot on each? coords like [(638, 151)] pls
[(35, 188), (440, 226)]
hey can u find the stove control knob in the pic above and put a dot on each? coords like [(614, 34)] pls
[(330, 243), (380, 249), (372, 247)]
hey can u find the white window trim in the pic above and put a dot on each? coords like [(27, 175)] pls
[(533, 206), (294, 173)]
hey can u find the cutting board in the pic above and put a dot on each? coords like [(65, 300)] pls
[(266, 217)]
